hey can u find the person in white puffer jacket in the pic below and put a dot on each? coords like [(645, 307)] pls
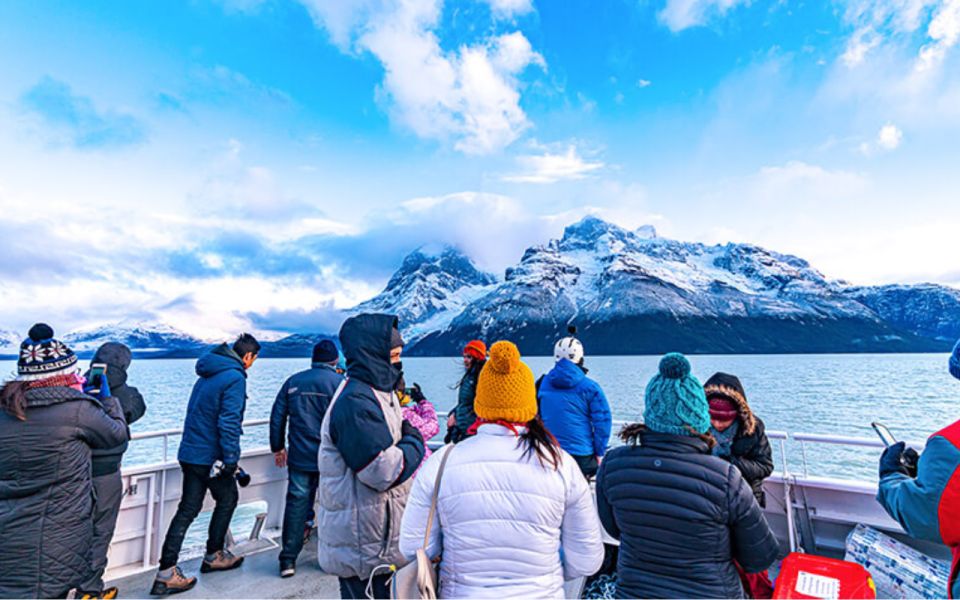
[(515, 518)]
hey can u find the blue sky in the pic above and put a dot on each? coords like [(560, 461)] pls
[(212, 163)]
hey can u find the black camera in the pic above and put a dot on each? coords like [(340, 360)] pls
[(243, 478)]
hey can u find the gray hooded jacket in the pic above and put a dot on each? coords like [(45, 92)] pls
[(367, 456)]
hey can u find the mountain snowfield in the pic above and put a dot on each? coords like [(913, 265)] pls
[(628, 292)]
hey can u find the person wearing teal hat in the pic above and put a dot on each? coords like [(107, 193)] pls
[(682, 515)]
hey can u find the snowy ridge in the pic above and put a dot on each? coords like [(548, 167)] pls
[(429, 290), (10, 342), (142, 336)]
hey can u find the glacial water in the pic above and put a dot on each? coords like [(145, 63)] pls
[(832, 394)]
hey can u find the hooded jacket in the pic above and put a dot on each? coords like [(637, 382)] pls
[(302, 402), (682, 517), (213, 425), (466, 393), (46, 493), (117, 357), (506, 525), (575, 410), (750, 451), (366, 462)]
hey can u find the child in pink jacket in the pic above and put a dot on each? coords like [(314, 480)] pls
[(420, 413)]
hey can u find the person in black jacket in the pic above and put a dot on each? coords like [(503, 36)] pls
[(107, 482), (682, 515), (302, 402), (48, 425), (740, 435)]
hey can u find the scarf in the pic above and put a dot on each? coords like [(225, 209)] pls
[(725, 439)]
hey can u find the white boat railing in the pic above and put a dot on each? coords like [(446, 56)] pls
[(145, 516)]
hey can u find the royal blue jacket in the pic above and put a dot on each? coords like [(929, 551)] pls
[(302, 401), (212, 427), (575, 410)]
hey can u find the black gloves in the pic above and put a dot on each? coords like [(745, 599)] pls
[(229, 470), (417, 393), (408, 430), (899, 459)]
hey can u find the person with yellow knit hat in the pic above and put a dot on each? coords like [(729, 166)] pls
[(514, 516)]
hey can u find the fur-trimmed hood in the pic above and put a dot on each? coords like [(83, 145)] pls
[(724, 384)]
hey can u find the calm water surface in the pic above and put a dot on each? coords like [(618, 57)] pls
[(839, 394)]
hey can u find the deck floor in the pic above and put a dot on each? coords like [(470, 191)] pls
[(257, 578)]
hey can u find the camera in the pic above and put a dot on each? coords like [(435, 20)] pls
[(242, 477)]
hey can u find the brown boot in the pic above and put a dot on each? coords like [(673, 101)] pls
[(171, 581), (222, 560)]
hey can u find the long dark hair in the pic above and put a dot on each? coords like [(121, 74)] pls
[(630, 434), (473, 371), (540, 442), (13, 398)]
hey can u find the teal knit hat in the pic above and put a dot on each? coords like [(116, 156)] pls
[(675, 399)]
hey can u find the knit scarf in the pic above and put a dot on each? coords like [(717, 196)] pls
[(472, 430), (725, 439), (70, 380)]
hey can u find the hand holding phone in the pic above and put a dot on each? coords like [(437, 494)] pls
[(885, 436)]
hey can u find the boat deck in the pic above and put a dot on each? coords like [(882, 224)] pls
[(256, 578)]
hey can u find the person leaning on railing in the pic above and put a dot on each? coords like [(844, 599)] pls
[(926, 502)]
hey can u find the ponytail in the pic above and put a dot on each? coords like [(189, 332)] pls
[(541, 442), (13, 399)]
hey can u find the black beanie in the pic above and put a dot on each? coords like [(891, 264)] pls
[(724, 380), (325, 352)]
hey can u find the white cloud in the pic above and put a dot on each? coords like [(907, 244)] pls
[(678, 15), (859, 44), (644, 83), (551, 167), (944, 33), (469, 95), (510, 8), (888, 139)]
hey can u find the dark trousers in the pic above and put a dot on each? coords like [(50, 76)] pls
[(354, 588), (196, 482), (301, 495), (108, 492), (588, 465)]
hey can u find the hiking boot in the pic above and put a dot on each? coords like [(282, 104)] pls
[(171, 581), (288, 569), (221, 560)]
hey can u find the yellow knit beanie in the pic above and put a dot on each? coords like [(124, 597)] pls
[(505, 389)]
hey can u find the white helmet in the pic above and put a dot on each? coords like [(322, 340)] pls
[(569, 348)]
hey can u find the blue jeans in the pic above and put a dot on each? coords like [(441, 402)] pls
[(301, 495)]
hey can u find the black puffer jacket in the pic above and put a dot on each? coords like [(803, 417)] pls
[(751, 453), (682, 517), (117, 357), (46, 494)]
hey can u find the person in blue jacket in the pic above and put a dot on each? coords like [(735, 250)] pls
[(211, 435), (924, 496), (574, 408), (302, 402)]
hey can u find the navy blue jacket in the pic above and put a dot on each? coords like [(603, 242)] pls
[(212, 427), (358, 426), (682, 517), (303, 400), (575, 410)]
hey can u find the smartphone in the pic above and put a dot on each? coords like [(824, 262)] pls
[(884, 433), (97, 372)]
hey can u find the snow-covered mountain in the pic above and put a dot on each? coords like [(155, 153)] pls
[(429, 290), (633, 292), (9, 342), (144, 338), (930, 310)]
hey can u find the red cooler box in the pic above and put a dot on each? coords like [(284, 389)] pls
[(811, 576)]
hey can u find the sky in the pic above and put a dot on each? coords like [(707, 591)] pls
[(219, 165)]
